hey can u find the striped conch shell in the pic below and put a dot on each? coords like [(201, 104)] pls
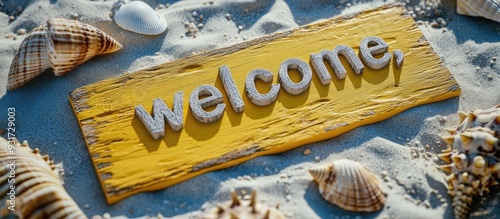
[(473, 158), (243, 207), (59, 44), (138, 17), (31, 184), (349, 185), (480, 8)]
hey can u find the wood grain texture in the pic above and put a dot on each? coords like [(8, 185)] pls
[(128, 160)]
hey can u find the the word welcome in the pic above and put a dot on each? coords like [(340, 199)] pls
[(206, 96)]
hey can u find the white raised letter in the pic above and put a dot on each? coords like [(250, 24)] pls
[(252, 93), (231, 89), (156, 125), (378, 46), (333, 59), (287, 83), (213, 97)]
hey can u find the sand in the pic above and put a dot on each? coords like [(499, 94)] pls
[(415, 188)]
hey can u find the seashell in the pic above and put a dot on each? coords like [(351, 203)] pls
[(138, 17), (59, 44), (37, 182), (480, 8), (30, 60), (246, 207), (148, 216), (488, 118), (349, 185), (472, 157)]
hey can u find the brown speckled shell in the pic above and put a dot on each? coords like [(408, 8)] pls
[(39, 192), (59, 44), (349, 185), (30, 60), (472, 158), (246, 207)]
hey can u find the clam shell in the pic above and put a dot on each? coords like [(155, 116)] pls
[(480, 8), (139, 17), (39, 192), (59, 44), (349, 185)]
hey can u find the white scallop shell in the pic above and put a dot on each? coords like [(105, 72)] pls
[(139, 17), (480, 8)]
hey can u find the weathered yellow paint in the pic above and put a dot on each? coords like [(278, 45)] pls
[(129, 161)]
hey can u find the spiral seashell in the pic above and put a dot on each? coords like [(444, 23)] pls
[(480, 8), (30, 60), (349, 185), (472, 157), (246, 207), (59, 44), (35, 184), (138, 17)]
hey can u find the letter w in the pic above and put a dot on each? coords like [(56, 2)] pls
[(156, 124)]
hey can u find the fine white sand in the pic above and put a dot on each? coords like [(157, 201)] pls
[(415, 188)]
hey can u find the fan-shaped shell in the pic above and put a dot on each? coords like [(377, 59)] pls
[(38, 184), (139, 17), (59, 44), (480, 8), (349, 185)]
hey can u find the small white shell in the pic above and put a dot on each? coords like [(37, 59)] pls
[(139, 17), (480, 8)]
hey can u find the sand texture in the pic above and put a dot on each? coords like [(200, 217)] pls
[(468, 47)]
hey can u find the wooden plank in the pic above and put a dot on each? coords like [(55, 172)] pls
[(128, 160)]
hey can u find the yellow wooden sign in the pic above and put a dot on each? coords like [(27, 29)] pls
[(267, 95)]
